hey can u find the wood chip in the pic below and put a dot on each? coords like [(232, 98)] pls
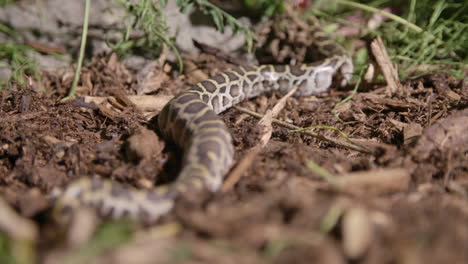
[(411, 133), (370, 73), (451, 95), (150, 105), (83, 225), (448, 133), (385, 64), (15, 226), (143, 145), (123, 99), (151, 78), (357, 232), (374, 182), (108, 112)]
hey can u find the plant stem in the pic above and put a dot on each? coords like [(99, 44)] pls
[(84, 34)]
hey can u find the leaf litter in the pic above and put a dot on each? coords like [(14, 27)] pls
[(405, 201)]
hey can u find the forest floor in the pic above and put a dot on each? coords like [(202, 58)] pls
[(402, 197)]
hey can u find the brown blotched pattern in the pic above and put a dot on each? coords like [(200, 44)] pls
[(190, 121)]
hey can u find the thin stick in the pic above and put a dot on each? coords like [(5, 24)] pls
[(350, 145), (266, 131)]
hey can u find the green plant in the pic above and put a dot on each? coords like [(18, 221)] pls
[(16, 58), (147, 17), (432, 34), (4, 3), (6, 255), (266, 7), (84, 36), (220, 17), (109, 235)]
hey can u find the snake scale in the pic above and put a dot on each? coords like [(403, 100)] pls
[(190, 121)]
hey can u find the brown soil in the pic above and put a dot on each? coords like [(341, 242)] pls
[(412, 209)]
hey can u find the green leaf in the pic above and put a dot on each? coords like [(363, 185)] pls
[(186, 8), (163, 3), (217, 19), (232, 23)]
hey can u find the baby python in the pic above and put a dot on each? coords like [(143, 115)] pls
[(190, 121)]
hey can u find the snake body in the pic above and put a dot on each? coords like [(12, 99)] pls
[(190, 121)]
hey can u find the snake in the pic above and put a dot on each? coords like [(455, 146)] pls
[(190, 121)]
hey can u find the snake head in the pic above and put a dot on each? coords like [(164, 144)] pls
[(319, 77)]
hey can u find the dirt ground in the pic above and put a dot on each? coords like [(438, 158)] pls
[(403, 198)]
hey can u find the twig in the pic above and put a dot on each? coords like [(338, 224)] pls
[(265, 135), (22, 233), (350, 145), (343, 134)]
